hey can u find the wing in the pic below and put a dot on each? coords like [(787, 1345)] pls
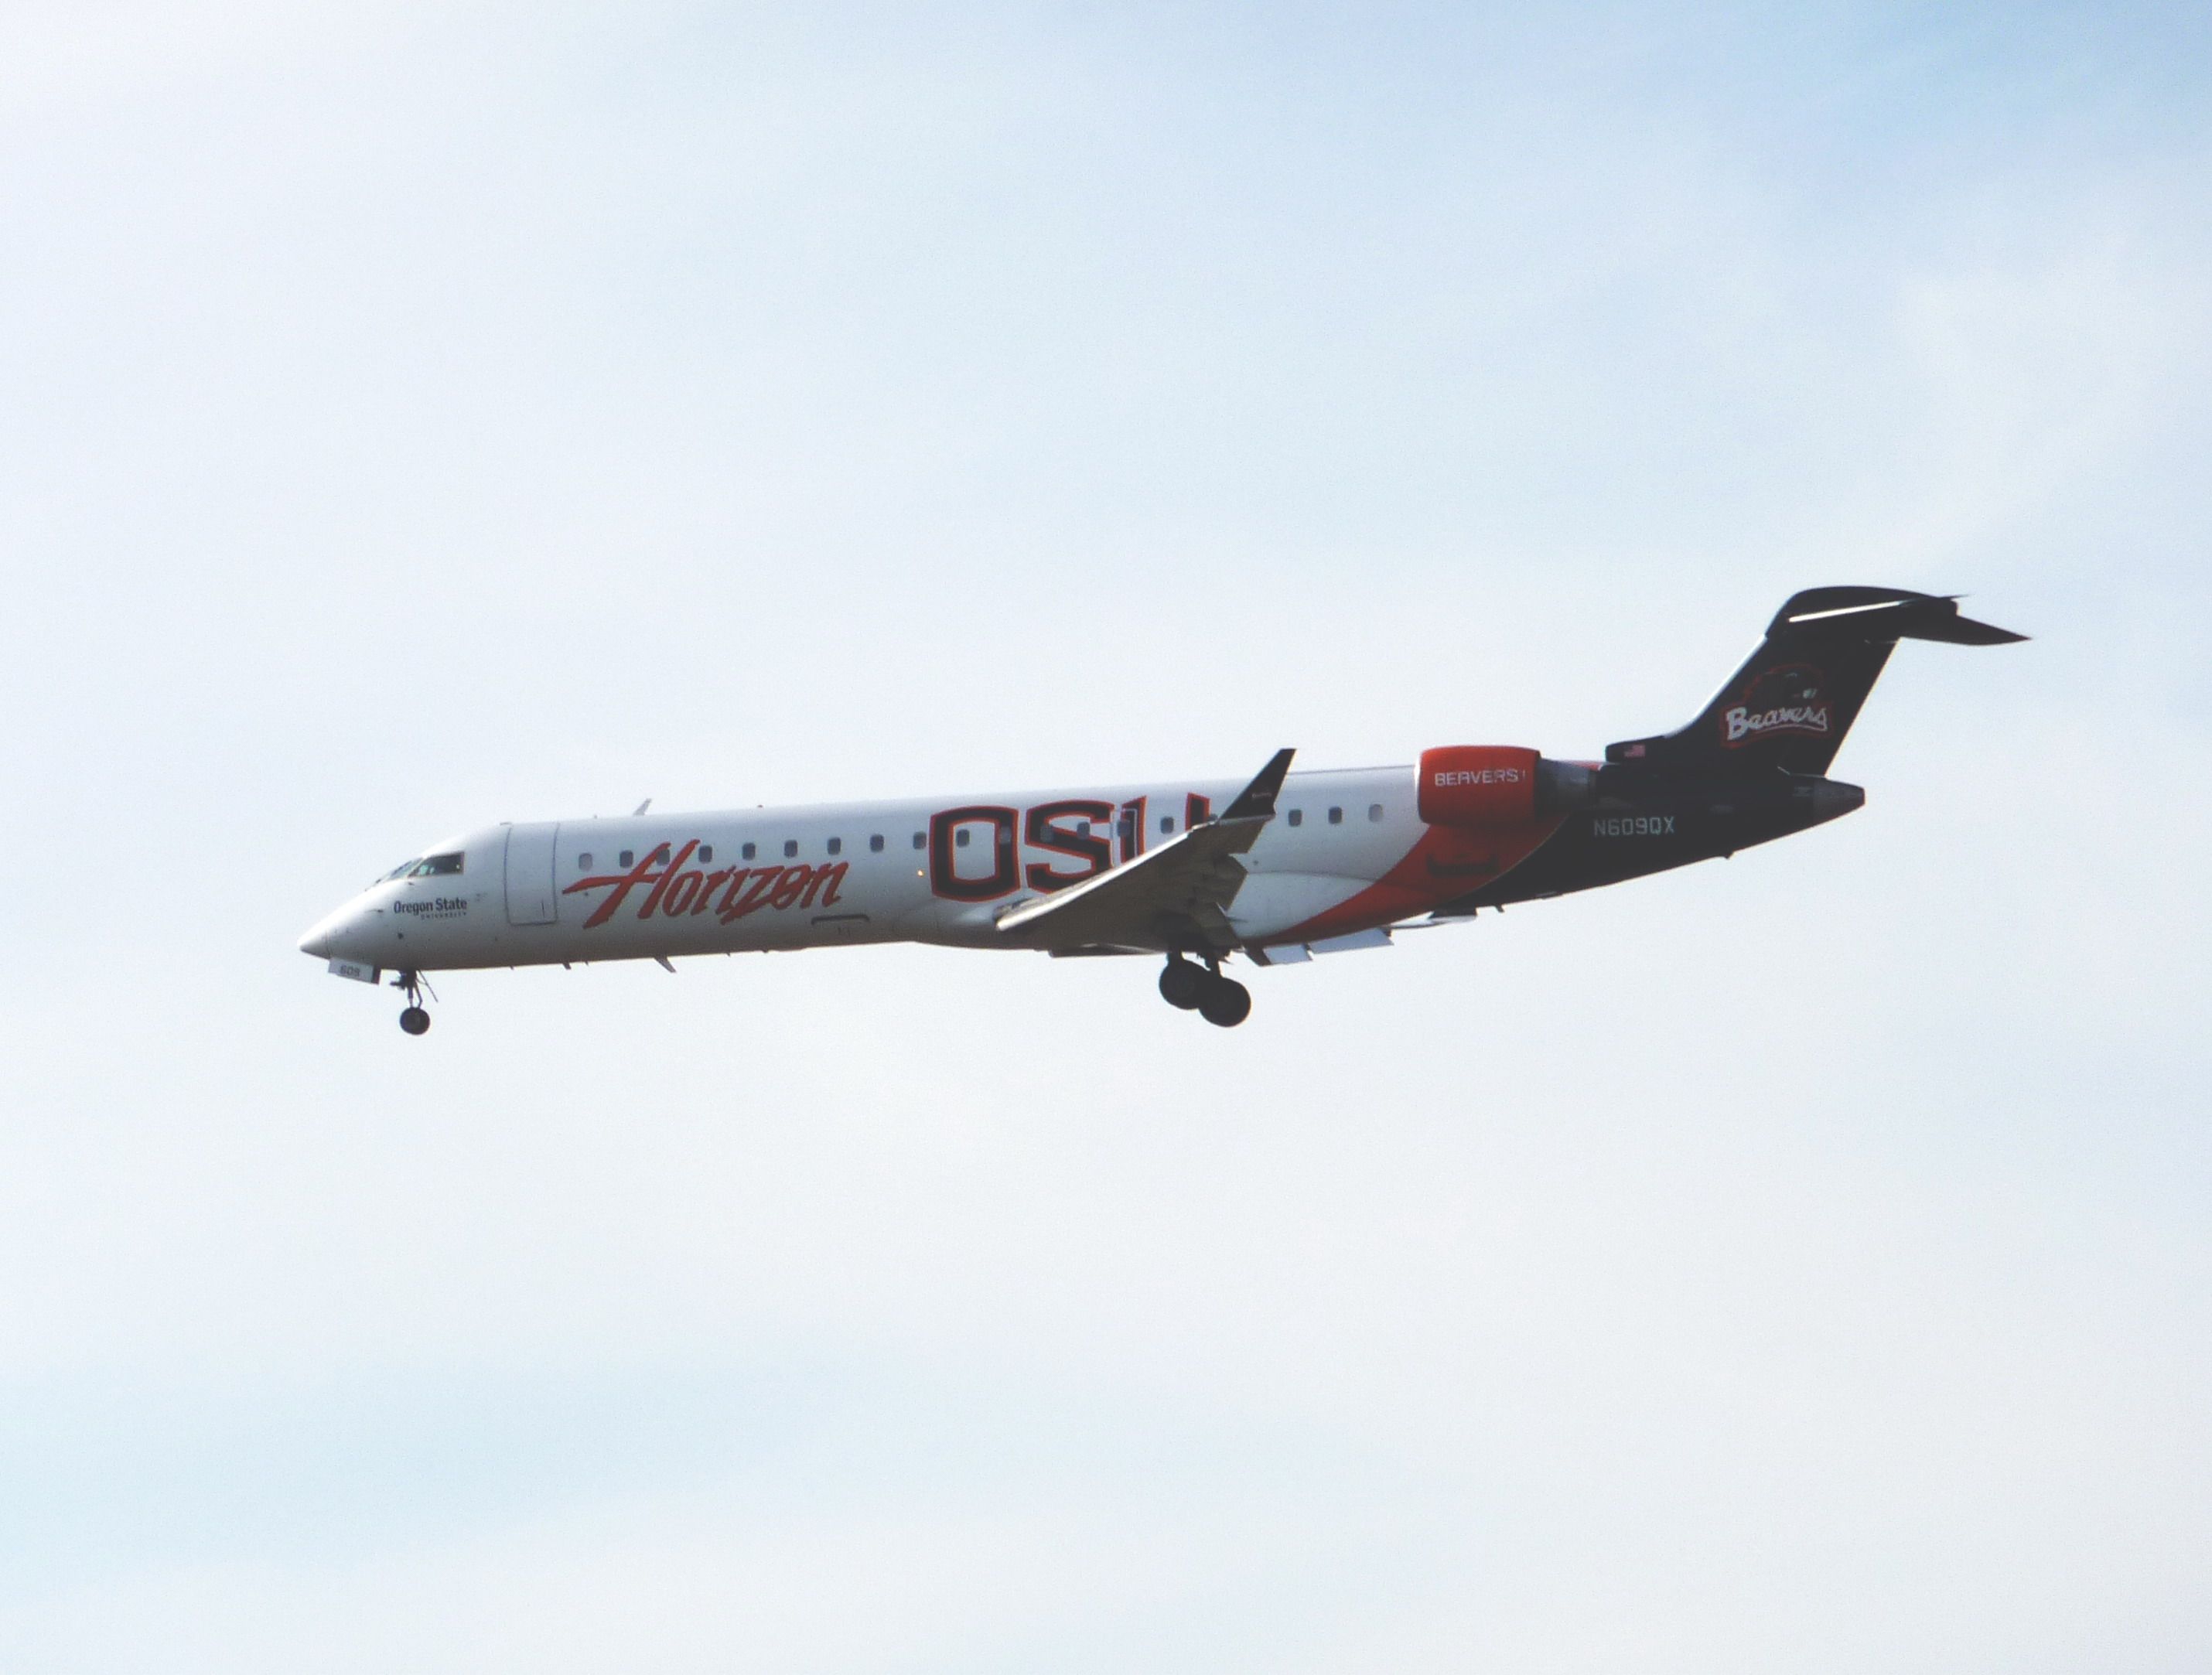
[(1172, 896)]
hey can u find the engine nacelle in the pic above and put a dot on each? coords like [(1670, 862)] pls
[(1478, 785), (1485, 786)]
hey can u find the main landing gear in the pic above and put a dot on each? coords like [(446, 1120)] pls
[(1220, 1000), (414, 1020)]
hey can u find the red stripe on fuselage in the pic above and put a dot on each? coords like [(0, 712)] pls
[(1444, 863)]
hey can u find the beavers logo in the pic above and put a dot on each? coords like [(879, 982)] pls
[(1787, 699)]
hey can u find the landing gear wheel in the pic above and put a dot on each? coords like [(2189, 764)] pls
[(1226, 1003), (1183, 984), (414, 1020)]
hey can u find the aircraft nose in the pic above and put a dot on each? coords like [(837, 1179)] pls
[(321, 937)]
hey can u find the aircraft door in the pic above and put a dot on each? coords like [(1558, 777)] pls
[(529, 897)]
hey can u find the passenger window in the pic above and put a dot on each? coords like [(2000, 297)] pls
[(1336, 816), (1167, 822), (922, 840), (837, 846), (625, 858), (1297, 817), (706, 854), (584, 862), (876, 844), (1083, 829), (1375, 811), (748, 850), (790, 847), (960, 838)]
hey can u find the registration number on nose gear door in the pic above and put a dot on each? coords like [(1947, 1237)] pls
[(1634, 825)]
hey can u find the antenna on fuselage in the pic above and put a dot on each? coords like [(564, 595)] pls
[(640, 808)]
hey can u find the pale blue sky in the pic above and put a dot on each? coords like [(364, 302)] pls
[(413, 416)]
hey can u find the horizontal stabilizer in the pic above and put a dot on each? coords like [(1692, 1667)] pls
[(1791, 704), (1885, 613)]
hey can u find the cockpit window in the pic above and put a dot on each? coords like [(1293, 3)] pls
[(435, 867), (402, 869)]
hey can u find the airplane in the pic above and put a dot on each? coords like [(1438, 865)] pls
[(1275, 869)]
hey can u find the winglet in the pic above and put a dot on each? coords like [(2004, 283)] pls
[(1257, 800)]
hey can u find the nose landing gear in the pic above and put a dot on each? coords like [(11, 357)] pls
[(415, 1019), (1221, 1001)]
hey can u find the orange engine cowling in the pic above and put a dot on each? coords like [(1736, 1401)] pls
[(1478, 785)]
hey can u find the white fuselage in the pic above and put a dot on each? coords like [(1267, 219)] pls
[(1267, 869), (665, 886)]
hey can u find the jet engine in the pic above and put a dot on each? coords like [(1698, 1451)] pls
[(1485, 786)]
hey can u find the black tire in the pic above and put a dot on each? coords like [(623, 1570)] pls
[(414, 1020), (1226, 1003), (1183, 985)]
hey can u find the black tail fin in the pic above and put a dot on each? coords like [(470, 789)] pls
[(1791, 703)]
